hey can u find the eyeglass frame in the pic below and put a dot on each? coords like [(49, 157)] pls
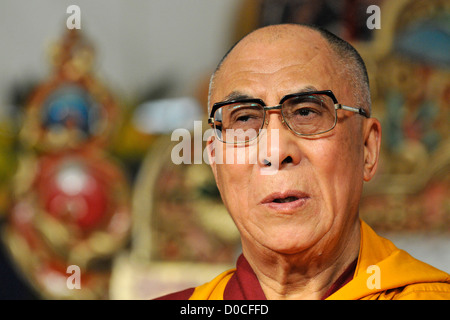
[(328, 93)]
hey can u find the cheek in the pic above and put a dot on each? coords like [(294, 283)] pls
[(238, 183), (233, 177), (233, 182), (338, 166), (234, 169)]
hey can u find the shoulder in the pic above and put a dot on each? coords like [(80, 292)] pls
[(425, 291), (179, 295), (210, 290)]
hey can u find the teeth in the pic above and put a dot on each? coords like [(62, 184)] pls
[(284, 200)]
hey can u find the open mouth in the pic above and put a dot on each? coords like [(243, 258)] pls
[(285, 200)]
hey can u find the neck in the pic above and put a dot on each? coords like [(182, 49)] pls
[(304, 275)]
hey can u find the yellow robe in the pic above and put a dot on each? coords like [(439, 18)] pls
[(396, 275)]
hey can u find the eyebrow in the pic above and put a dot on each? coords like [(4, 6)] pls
[(305, 89), (238, 95)]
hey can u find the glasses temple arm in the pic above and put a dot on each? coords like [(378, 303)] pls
[(357, 110)]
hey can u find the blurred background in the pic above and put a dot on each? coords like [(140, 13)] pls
[(86, 117)]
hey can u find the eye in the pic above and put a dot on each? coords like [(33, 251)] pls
[(245, 113), (305, 111), (305, 107), (241, 116), (300, 112), (245, 118)]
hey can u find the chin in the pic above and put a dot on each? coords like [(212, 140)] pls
[(291, 240)]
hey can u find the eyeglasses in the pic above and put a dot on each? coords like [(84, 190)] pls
[(306, 114)]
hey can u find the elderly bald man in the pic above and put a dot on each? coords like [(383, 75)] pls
[(301, 234)]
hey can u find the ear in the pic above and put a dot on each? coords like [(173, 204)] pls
[(372, 143)]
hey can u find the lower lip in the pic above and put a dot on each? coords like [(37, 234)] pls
[(287, 207)]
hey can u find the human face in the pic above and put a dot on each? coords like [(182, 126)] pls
[(312, 199)]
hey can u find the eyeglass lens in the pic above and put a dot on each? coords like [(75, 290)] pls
[(304, 114)]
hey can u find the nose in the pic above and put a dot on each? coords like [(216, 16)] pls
[(279, 147)]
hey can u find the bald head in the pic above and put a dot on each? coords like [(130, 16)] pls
[(343, 56)]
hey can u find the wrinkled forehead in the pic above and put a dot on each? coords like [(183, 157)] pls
[(272, 56)]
